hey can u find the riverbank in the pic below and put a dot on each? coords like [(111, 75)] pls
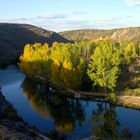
[(125, 100), (129, 101), (121, 100), (12, 127)]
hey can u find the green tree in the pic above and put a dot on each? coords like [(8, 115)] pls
[(129, 53), (104, 66)]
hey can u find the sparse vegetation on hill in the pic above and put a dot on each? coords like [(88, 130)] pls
[(132, 34), (86, 34)]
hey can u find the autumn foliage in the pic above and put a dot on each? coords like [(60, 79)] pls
[(79, 65)]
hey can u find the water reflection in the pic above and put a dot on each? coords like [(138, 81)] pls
[(105, 121), (63, 118), (66, 112), (107, 125), (7, 77)]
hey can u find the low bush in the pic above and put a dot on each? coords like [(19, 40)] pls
[(112, 98), (132, 92)]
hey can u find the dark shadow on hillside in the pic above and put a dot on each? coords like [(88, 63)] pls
[(13, 38)]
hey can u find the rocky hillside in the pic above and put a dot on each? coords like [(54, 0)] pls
[(13, 38), (86, 34), (127, 34), (91, 34)]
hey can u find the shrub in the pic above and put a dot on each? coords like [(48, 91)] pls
[(112, 97)]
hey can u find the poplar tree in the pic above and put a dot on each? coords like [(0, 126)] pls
[(103, 68)]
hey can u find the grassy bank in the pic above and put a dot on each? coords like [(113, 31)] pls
[(131, 92)]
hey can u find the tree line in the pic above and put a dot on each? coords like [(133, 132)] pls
[(87, 65)]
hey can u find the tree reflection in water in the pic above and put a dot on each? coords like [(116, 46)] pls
[(68, 113), (105, 121), (106, 125)]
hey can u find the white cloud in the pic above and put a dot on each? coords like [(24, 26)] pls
[(53, 16), (133, 2), (62, 22)]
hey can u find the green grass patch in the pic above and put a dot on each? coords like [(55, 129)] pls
[(132, 92)]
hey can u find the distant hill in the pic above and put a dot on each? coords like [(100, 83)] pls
[(91, 34), (86, 34), (13, 38)]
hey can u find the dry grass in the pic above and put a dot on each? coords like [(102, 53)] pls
[(129, 101)]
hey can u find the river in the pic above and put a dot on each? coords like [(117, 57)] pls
[(64, 118)]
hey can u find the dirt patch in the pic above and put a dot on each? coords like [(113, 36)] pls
[(129, 101)]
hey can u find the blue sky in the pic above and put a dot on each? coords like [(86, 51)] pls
[(61, 15)]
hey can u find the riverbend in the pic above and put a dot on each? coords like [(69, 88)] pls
[(63, 117)]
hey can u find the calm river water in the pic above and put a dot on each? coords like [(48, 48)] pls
[(65, 118)]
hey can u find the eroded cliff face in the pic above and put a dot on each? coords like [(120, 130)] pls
[(12, 127), (132, 34)]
